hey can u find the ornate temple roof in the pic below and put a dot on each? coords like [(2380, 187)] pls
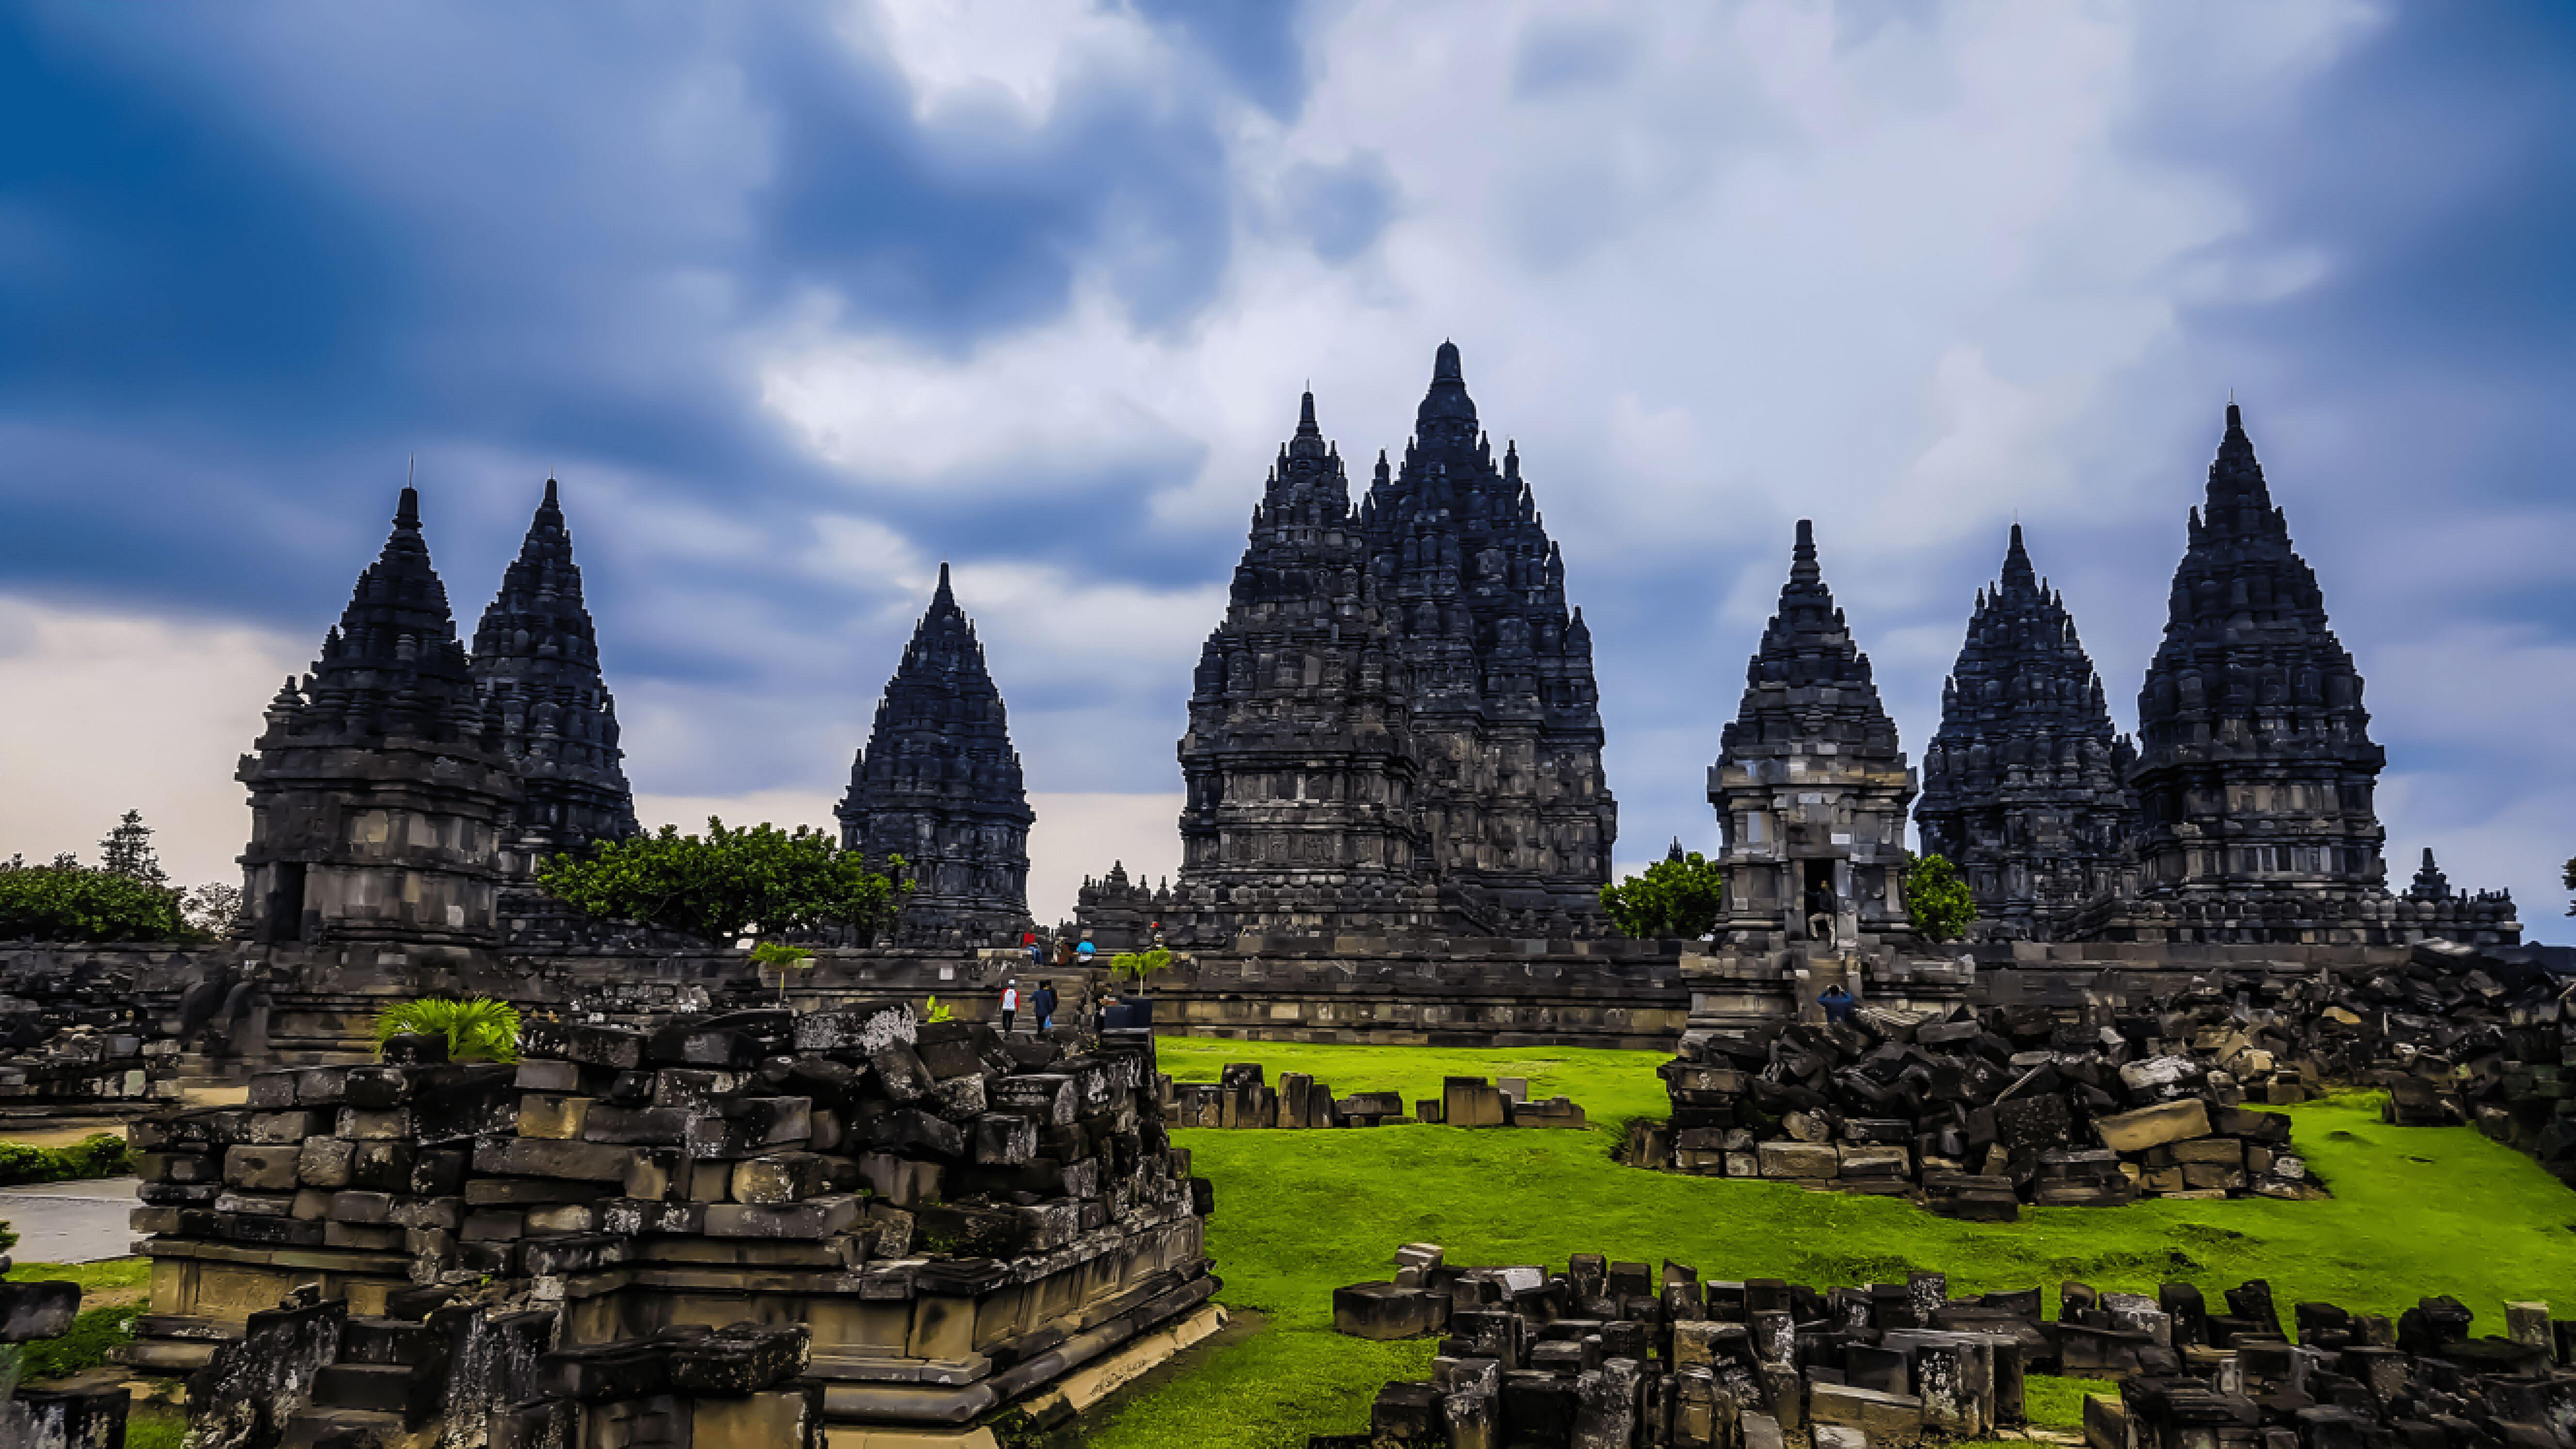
[(536, 658), (2025, 691), (941, 731), (2246, 636), (1808, 682), (392, 667)]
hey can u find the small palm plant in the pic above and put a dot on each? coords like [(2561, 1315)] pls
[(478, 1028), (938, 1011), (785, 958)]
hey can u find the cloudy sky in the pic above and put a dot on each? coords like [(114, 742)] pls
[(800, 300)]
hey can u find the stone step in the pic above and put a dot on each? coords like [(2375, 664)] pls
[(394, 1341), (410, 1391), (325, 1428)]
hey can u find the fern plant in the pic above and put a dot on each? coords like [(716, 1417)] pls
[(938, 1012), (478, 1028)]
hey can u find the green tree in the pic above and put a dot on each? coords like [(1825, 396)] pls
[(1676, 897), (1138, 966), (1936, 900), (67, 901), (477, 1028), (127, 851), (760, 881)]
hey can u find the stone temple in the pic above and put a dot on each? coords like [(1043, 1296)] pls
[(1395, 728), (1810, 786), (939, 784), (2025, 787), (382, 788), (2256, 767)]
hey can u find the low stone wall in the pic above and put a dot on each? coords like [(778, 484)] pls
[(1240, 1101), (1430, 992)]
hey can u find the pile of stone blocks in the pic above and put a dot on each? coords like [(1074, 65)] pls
[(2456, 1035), (1610, 1355), (77, 1051), (1239, 1099), (1972, 1115), (958, 1220)]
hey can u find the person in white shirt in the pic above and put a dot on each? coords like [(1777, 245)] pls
[(1010, 1003)]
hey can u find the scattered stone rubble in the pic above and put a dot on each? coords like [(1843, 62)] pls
[(1971, 1116), (732, 1230), (1606, 1355), (1239, 1099), (2455, 1036)]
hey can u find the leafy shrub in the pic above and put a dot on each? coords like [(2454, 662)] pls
[(101, 1155), (937, 1011), (67, 901), (478, 1029), (763, 881), (1674, 898), (1936, 900)]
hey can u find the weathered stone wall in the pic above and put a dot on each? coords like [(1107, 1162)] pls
[(1430, 992)]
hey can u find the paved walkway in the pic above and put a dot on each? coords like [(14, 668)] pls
[(70, 1222)]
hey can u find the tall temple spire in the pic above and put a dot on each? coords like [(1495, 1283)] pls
[(536, 664), (939, 784), (2024, 785), (1298, 759), (386, 739), (2256, 767)]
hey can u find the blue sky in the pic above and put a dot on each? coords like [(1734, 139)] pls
[(799, 301)]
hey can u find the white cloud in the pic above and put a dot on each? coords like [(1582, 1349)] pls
[(110, 711), (1015, 54)]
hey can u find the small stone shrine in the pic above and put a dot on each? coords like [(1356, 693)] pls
[(1809, 786)]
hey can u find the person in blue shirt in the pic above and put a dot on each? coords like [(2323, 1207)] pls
[(1837, 1004)]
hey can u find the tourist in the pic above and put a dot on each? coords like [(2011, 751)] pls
[(1045, 1005), (1837, 1004), (1010, 1003)]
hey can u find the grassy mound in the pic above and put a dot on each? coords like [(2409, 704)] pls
[(2416, 1211)]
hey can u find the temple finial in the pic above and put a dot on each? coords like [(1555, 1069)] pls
[(551, 500)]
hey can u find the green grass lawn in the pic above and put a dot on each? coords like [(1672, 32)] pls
[(1298, 1214)]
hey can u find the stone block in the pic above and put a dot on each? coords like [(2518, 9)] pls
[(1799, 1159), (540, 1157), (1862, 1160), (2156, 1126), (324, 1162), (1470, 1102), (261, 1167), (1885, 1418), (544, 1114), (1385, 1311), (811, 1219), (778, 1177), (29, 1311)]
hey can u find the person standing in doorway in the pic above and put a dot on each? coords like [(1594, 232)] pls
[(1010, 1003)]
